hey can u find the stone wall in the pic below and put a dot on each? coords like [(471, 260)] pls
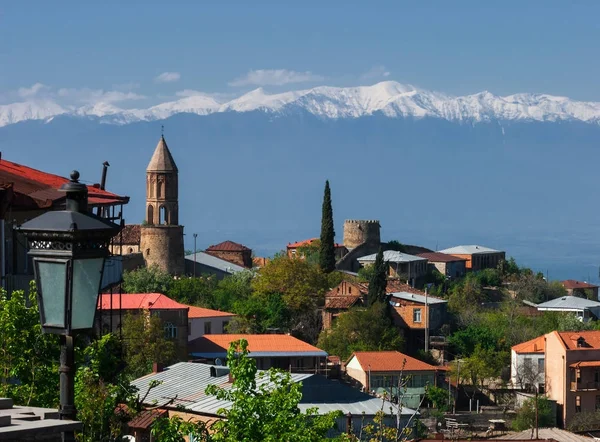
[(242, 258), (357, 232), (163, 246)]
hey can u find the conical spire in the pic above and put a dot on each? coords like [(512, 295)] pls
[(162, 160)]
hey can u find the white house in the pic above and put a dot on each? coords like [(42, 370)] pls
[(401, 265), (204, 321), (528, 365), (585, 309)]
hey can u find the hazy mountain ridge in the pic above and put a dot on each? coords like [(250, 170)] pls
[(391, 99)]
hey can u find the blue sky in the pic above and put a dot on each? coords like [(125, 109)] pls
[(117, 53)]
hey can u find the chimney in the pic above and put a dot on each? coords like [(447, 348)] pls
[(157, 367)]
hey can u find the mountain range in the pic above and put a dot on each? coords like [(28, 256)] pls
[(518, 173), (387, 98)]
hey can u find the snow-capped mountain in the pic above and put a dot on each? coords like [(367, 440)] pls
[(389, 98)]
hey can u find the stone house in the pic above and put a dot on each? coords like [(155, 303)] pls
[(477, 257), (581, 289), (129, 240), (448, 265), (202, 263), (294, 250), (572, 372), (232, 252), (409, 268), (269, 350), (381, 371)]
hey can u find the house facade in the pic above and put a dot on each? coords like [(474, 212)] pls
[(585, 309), (448, 265), (477, 257), (403, 266), (581, 289), (233, 252), (382, 371), (527, 364), (572, 372), (269, 350), (205, 321)]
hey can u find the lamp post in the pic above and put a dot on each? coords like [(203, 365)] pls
[(68, 248), (195, 236)]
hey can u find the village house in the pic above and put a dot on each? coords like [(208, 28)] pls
[(527, 364), (269, 350), (295, 250), (403, 266), (572, 372), (584, 309), (477, 257), (381, 371), (233, 252), (448, 265), (129, 240), (205, 321), (581, 289), (26, 193), (182, 386), (205, 264)]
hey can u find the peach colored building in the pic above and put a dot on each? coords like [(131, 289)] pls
[(477, 257), (572, 374)]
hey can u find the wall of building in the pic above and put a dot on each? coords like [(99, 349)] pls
[(127, 249), (357, 232), (356, 372), (163, 246), (521, 374), (217, 326), (241, 258), (404, 314)]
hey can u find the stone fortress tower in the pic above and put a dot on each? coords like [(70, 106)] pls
[(161, 240), (357, 232)]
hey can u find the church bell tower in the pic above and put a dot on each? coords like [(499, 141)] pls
[(161, 239)]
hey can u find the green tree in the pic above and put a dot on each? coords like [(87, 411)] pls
[(361, 329), (438, 397), (396, 245), (174, 429), (232, 289), (327, 244), (365, 274), (265, 411), (585, 421), (147, 280), (378, 281), (525, 418), (144, 342), (193, 291), (28, 358)]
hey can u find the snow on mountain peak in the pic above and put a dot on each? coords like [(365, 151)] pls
[(392, 99)]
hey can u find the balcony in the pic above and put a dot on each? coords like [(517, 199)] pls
[(585, 386)]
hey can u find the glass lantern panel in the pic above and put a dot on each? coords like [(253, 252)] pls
[(86, 285), (52, 278)]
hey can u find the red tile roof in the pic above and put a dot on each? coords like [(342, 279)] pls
[(41, 188), (440, 257), (146, 418), (227, 246), (139, 301), (590, 338), (308, 242), (572, 284), (536, 345), (200, 312), (256, 343), (381, 361), (131, 234), (341, 302)]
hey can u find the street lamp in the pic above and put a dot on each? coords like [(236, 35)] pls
[(68, 248)]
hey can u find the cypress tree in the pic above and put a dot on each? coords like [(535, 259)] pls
[(327, 246), (378, 281)]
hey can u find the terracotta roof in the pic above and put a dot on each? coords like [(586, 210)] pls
[(146, 418), (139, 301), (308, 242), (162, 160), (536, 345), (590, 338), (341, 302), (227, 246), (131, 234), (380, 361), (572, 284), (37, 189), (585, 364), (270, 343), (259, 261), (440, 257), (200, 312)]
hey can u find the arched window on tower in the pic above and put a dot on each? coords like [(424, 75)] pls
[(163, 216), (159, 193), (150, 218)]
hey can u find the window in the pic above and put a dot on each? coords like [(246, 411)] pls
[(170, 330), (207, 328), (541, 365), (349, 289), (527, 363), (577, 404), (417, 315), (225, 324)]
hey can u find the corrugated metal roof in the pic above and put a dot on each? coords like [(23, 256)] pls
[(547, 433), (468, 250), (569, 302), (417, 298), (216, 263), (186, 383), (392, 256)]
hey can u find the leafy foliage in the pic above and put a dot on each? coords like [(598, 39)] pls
[(147, 280), (361, 329), (327, 243), (174, 429), (525, 417), (144, 342), (584, 421), (378, 281), (28, 358), (264, 411)]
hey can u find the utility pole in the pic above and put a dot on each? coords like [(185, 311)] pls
[(537, 415), (457, 383), (195, 236)]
